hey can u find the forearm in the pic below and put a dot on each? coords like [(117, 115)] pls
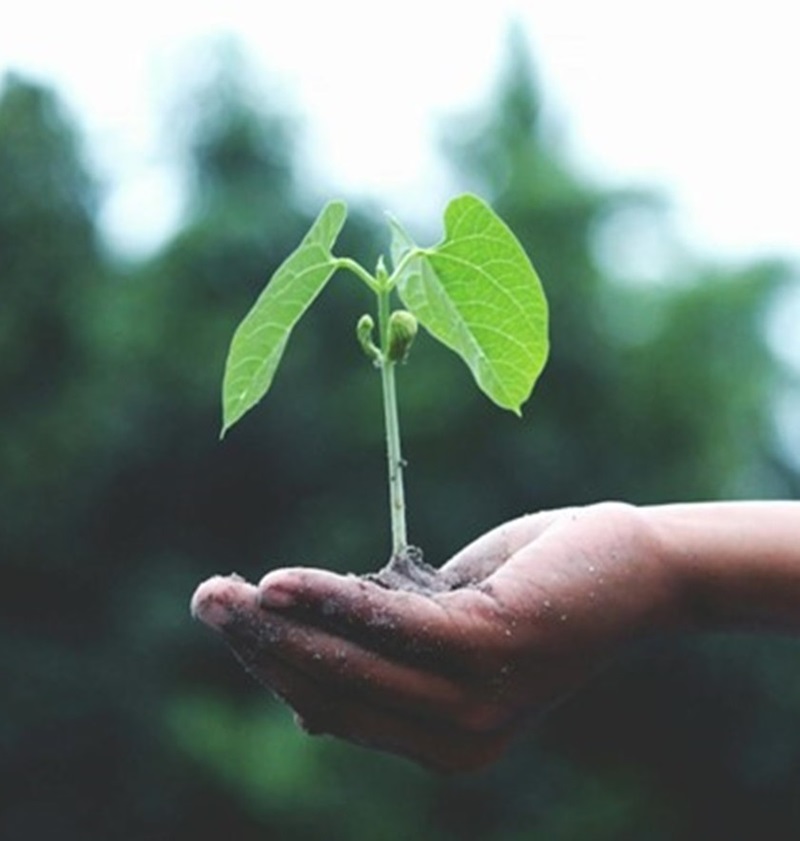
[(737, 564)]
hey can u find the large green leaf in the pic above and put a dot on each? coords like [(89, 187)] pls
[(259, 341), (478, 294)]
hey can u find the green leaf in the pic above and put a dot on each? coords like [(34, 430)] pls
[(401, 242), (260, 339), (478, 294)]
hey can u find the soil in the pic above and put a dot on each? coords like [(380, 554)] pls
[(408, 570)]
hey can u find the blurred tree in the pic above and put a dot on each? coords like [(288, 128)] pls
[(49, 255), (108, 423), (51, 612)]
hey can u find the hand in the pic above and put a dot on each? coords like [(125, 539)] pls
[(449, 679)]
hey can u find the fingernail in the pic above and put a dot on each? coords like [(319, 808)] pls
[(275, 596)]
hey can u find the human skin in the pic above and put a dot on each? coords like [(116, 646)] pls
[(449, 679)]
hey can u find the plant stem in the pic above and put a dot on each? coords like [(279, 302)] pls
[(360, 272), (397, 502)]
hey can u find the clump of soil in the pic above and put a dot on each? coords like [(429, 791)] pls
[(407, 570)]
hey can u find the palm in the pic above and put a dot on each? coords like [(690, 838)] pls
[(446, 678)]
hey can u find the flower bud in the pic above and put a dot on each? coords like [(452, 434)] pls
[(402, 330), (364, 330)]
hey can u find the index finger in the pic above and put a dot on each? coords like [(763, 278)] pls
[(405, 625)]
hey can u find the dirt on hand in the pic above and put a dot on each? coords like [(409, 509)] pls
[(407, 570)]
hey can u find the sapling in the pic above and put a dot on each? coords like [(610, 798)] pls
[(476, 292)]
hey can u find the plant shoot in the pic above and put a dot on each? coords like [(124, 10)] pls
[(476, 292)]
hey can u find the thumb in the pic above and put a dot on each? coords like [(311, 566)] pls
[(481, 558)]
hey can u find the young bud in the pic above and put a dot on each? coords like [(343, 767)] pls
[(402, 330), (364, 330), (380, 270)]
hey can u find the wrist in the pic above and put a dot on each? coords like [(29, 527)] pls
[(668, 583), (735, 565), (676, 553)]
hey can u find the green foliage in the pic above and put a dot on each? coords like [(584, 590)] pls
[(261, 338), (478, 293)]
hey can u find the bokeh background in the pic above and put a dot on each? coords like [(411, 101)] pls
[(121, 718)]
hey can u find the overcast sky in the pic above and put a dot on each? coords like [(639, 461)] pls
[(695, 97)]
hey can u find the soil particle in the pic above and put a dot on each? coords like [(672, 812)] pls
[(407, 570)]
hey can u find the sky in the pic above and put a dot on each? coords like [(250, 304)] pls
[(695, 98)]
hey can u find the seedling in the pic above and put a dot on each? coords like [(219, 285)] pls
[(476, 292)]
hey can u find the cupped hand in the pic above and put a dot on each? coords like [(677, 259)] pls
[(449, 679)]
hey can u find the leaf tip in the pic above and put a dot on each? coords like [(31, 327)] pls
[(227, 423), (231, 415)]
